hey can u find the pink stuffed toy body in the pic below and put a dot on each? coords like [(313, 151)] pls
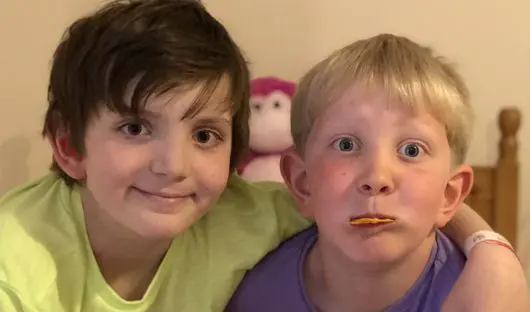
[(270, 128)]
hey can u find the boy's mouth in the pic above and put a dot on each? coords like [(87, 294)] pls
[(163, 194), (371, 219)]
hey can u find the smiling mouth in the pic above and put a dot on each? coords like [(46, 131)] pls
[(163, 195), (372, 219)]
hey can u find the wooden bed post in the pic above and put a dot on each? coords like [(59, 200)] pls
[(507, 176)]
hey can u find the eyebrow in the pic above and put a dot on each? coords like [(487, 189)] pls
[(150, 114), (200, 119), (197, 108), (214, 120)]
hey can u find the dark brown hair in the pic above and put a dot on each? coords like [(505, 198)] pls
[(161, 45)]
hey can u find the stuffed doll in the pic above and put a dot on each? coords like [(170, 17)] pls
[(270, 128)]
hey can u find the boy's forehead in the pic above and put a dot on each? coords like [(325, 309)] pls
[(358, 98), (357, 105), (190, 99)]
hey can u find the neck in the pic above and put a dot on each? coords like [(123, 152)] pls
[(127, 261), (335, 283)]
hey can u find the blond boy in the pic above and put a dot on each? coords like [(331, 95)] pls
[(381, 130)]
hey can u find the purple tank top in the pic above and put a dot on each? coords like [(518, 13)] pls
[(276, 283)]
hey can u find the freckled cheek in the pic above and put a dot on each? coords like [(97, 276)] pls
[(213, 170), (423, 190), (134, 158), (216, 177), (331, 175), (116, 161)]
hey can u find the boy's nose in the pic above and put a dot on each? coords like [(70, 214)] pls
[(375, 188), (376, 178), (171, 160)]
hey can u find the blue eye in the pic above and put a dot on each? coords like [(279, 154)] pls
[(411, 150), (345, 145)]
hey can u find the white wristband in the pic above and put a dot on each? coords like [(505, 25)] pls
[(486, 236)]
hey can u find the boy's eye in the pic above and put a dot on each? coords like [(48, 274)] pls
[(346, 145), (411, 150), (203, 136), (134, 129), (207, 137)]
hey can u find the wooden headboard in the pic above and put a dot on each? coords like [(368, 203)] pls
[(495, 191)]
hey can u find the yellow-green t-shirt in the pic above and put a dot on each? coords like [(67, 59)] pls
[(46, 264)]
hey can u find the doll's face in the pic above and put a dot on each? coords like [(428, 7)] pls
[(270, 124)]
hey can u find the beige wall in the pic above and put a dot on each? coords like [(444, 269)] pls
[(28, 36), (491, 46)]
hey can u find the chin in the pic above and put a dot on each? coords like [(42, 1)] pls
[(161, 226), (373, 252)]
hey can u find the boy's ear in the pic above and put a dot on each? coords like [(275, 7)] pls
[(457, 189), (66, 156), (292, 167)]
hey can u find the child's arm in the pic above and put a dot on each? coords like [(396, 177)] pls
[(493, 278), (492, 281)]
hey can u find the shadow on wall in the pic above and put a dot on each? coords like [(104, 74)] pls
[(14, 154)]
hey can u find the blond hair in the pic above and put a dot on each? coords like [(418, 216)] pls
[(409, 72)]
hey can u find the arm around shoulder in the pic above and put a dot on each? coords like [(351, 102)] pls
[(493, 281)]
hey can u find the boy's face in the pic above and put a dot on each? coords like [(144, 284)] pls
[(158, 175), (377, 180)]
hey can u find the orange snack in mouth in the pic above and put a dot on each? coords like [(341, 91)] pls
[(359, 221)]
